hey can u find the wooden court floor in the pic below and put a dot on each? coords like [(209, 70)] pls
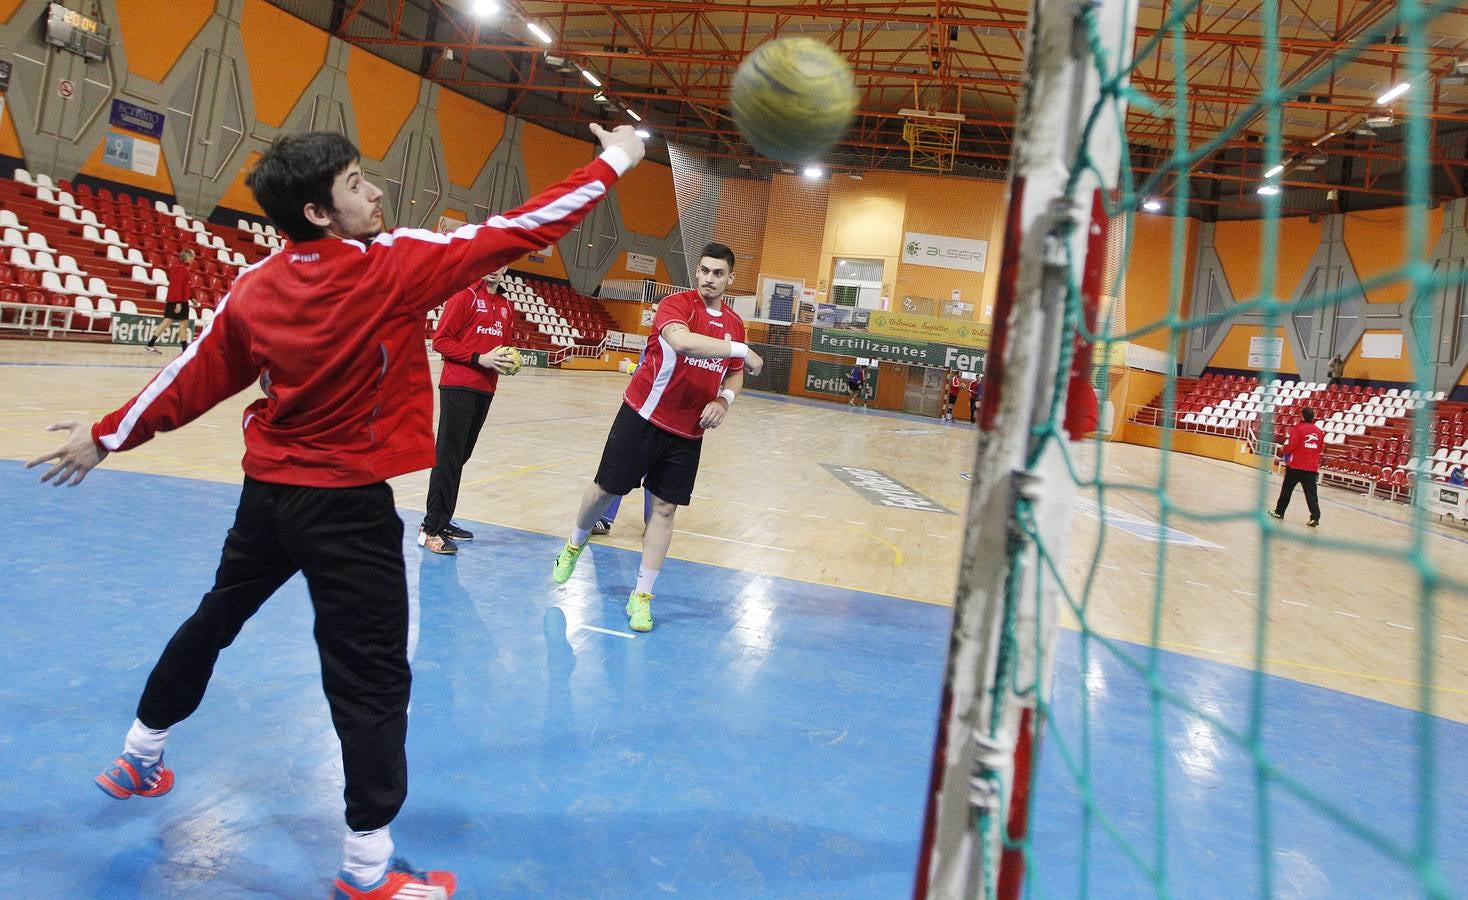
[(1344, 616)]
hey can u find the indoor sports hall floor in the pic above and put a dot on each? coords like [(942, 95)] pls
[(772, 736)]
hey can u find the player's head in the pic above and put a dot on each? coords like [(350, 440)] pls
[(311, 185), (1307, 415), (186, 256), (493, 279), (715, 271)]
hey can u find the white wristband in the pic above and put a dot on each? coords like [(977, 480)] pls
[(738, 350), (728, 396)]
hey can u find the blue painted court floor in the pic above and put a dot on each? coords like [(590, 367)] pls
[(770, 738)]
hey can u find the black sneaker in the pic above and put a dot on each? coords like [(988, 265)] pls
[(437, 543), (1275, 515), (600, 527), (1313, 523), (456, 533)]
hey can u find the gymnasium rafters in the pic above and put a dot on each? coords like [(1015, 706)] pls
[(671, 62)]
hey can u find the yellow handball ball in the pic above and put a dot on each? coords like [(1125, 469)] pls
[(514, 361), (793, 98)]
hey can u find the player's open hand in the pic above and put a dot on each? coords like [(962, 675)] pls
[(74, 459), (713, 414), (753, 363), (501, 359), (624, 137)]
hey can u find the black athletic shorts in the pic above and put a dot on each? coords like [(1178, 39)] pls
[(640, 453), (178, 311)]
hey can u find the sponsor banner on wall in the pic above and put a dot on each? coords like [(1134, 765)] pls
[(825, 377), (135, 329), (641, 262), (534, 359), (1265, 352), (944, 252), (131, 117), (881, 489), (624, 340), (922, 353), (957, 332), (132, 153)]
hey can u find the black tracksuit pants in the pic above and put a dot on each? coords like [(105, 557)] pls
[(349, 544), (461, 415), (1306, 480)]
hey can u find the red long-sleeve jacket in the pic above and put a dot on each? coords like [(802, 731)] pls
[(1302, 449), (333, 332), (474, 322)]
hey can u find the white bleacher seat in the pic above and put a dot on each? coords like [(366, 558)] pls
[(25, 177), (1190, 419), (159, 277), (242, 225), (36, 241), (8, 220), (90, 233), (66, 200), (67, 214), (220, 255), (44, 261), (206, 315), (270, 230), (1441, 454), (98, 288), (1391, 392), (115, 254), (52, 282), (180, 223), (140, 274), (160, 206), (84, 306), (44, 180), (12, 237), (178, 210), (106, 305), (160, 292), (110, 236), (238, 259), (73, 285), (1439, 396), (135, 257), (1455, 456), (89, 218), (67, 264), (1439, 469), (46, 194), (127, 306)]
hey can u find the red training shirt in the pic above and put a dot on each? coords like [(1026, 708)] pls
[(670, 390), (180, 283), (474, 321), (1302, 450), (332, 330)]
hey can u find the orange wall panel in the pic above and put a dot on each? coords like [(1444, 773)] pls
[(384, 95), (647, 201), (237, 196), (1241, 249), (953, 207), (795, 228), (9, 140), (8, 8), (161, 182), (470, 132), (283, 54), (1233, 353), (1377, 242), (157, 32), (1149, 276)]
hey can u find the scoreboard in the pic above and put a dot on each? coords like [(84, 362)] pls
[(70, 30)]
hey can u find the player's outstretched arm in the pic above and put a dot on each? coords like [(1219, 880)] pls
[(73, 459), (624, 138), (701, 346)]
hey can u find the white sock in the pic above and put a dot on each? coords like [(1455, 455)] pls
[(365, 855), (579, 537), (645, 579), (145, 743)]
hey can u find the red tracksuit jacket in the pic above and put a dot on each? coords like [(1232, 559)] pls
[(333, 332), (1302, 450), (474, 322)]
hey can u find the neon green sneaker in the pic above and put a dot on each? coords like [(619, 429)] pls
[(639, 611), (566, 562)]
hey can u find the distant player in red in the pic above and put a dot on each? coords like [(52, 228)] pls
[(473, 338), (951, 390), (690, 374), (1302, 466), (176, 307)]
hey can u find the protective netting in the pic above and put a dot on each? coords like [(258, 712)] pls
[(1105, 826)]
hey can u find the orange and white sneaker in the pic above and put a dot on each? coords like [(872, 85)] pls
[(437, 543), (402, 882)]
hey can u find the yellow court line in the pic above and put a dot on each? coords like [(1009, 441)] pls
[(896, 551)]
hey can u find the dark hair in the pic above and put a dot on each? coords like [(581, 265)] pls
[(719, 251), (1307, 414), (298, 170)]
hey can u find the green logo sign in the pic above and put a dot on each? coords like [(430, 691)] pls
[(130, 329), (823, 377), (534, 359), (859, 343)]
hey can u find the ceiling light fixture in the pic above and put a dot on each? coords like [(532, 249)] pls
[(1152, 204), (591, 77), (1268, 190), (634, 115), (1394, 93), (1275, 171), (813, 172), (539, 32)]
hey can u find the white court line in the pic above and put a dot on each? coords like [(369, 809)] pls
[(1105, 566), (620, 634), (699, 497), (207, 425), (35, 408), (1295, 603), (854, 522), (1343, 613), (895, 528), (778, 509), (714, 537), (1449, 637), (1197, 583), (1245, 593), (938, 536), (1146, 573), (78, 412), (1403, 627), (813, 516)]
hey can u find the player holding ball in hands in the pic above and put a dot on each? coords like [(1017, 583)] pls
[(690, 374)]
